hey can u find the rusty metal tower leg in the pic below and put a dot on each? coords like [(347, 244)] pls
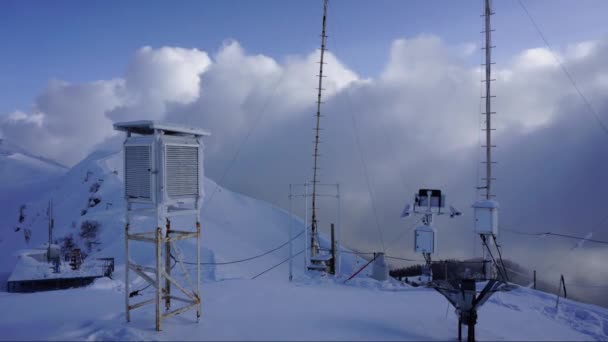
[(127, 313), (198, 270), (167, 267), (159, 266)]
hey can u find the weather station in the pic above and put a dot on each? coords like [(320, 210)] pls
[(427, 204), (163, 174), (468, 294)]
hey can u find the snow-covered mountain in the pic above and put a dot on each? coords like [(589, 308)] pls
[(23, 177), (19, 167), (235, 307)]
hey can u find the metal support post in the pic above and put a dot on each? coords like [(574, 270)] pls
[(198, 268), (332, 268), (127, 258), (159, 266), (459, 329), (338, 233), (168, 266)]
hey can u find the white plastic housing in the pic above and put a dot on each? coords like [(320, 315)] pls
[(163, 163), (486, 217), (424, 240)]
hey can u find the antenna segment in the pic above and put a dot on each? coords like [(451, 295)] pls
[(488, 97), (314, 245)]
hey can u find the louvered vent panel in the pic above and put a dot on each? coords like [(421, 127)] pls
[(137, 172), (182, 170)]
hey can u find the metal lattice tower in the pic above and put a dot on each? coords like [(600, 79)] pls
[(313, 242), (488, 96)]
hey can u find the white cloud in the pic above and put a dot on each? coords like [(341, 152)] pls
[(68, 120), (167, 74), (417, 122)]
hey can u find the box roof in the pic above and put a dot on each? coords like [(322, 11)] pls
[(149, 126)]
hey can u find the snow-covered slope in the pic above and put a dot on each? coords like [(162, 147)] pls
[(233, 226), (23, 177), (19, 167), (238, 308)]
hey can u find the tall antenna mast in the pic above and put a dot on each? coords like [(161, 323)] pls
[(488, 81), (486, 211), (313, 240)]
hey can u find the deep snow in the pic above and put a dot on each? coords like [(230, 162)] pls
[(238, 308)]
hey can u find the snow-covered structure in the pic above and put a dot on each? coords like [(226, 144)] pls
[(163, 178), (41, 269), (163, 162), (379, 268)]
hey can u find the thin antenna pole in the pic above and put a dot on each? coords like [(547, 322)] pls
[(51, 223), (290, 235), (313, 242), (488, 81)]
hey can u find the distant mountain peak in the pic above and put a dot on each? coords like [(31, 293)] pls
[(8, 148)]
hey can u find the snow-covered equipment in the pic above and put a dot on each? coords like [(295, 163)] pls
[(427, 203), (163, 162), (379, 267), (317, 256), (163, 178)]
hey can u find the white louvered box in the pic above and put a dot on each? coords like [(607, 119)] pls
[(163, 163)]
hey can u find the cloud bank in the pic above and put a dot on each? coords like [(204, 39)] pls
[(417, 124)]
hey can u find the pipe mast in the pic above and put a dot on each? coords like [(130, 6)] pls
[(489, 228), (313, 240)]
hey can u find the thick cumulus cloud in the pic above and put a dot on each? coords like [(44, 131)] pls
[(68, 120), (417, 125)]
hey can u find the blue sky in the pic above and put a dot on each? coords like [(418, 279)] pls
[(81, 41)]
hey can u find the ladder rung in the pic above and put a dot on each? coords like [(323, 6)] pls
[(491, 129), (485, 113), (484, 31), (488, 63), (491, 47), (493, 79)]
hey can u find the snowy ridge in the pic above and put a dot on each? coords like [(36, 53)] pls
[(238, 308), (14, 152)]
